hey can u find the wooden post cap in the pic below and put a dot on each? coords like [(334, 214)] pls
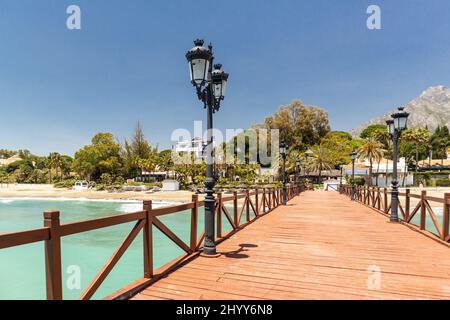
[(51, 214), (447, 198)]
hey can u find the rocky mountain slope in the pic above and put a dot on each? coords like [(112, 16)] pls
[(430, 109)]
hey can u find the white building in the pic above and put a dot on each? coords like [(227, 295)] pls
[(381, 170), (194, 146)]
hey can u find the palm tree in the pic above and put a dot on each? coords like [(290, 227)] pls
[(371, 150), (419, 137), (148, 165), (383, 138), (292, 158), (440, 141), (55, 162), (321, 160)]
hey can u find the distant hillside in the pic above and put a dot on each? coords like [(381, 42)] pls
[(430, 109)]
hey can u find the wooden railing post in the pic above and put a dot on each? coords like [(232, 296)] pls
[(256, 201), (148, 240), (53, 273), (423, 210), (247, 205), (386, 208), (446, 217), (235, 209), (274, 198), (219, 215), (269, 197), (407, 204), (373, 197), (368, 195), (194, 223), (264, 200)]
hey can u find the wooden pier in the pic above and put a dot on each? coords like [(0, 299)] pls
[(320, 246)]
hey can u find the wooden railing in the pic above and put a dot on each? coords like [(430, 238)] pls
[(258, 201), (410, 205)]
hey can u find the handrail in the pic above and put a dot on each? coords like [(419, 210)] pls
[(89, 225), (52, 232), (14, 239), (380, 199)]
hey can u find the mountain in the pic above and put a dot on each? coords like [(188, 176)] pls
[(430, 109)]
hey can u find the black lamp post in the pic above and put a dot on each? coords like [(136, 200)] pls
[(341, 166), (283, 152), (210, 86), (395, 128), (297, 170), (353, 158), (308, 155)]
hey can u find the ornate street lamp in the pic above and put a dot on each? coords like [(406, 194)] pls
[(283, 151), (395, 128), (219, 82), (210, 86), (309, 154), (353, 158)]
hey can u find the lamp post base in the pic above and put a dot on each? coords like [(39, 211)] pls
[(394, 202), (203, 254)]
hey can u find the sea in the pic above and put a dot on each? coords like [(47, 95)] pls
[(22, 268)]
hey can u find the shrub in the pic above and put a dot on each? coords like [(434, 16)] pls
[(119, 181), (106, 179), (443, 182), (100, 187), (423, 178), (359, 181), (69, 183)]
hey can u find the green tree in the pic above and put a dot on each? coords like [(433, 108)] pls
[(165, 160), (134, 151), (102, 156), (340, 144), (299, 125), (371, 150), (55, 162), (419, 138), (440, 141), (374, 131), (322, 159)]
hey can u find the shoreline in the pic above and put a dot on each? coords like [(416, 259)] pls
[(6, 199), (48, 192)]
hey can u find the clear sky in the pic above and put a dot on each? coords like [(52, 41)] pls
[(58, 87)]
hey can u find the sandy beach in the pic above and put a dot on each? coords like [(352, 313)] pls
[(48, 191)]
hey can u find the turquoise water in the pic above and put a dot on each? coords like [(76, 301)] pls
[(22, 273), (429, 225)]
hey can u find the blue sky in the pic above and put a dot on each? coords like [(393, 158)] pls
[(59, 87)]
